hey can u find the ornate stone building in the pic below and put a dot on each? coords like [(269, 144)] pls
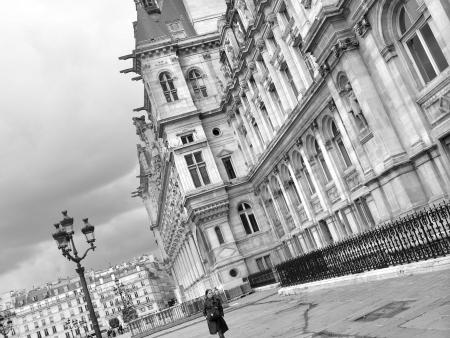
[(293, 125)]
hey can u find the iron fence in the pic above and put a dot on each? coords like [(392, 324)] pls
[(422, 235), (262, 278), (155, 321)]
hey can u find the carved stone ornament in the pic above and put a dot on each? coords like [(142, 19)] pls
[(260, 44), (299, 142), (271, 19), (286, 158), (344, 44), (331, 105), (388, 52), (306, 4), (361, 27), (324, 69)]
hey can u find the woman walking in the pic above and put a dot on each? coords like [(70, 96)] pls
[(213, 311)]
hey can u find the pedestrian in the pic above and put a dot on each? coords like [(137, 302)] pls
[(213, 312)]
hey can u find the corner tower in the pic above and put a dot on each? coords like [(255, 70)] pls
[(192, 167)]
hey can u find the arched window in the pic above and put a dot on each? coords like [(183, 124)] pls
[(197, 83), (169, 90), (219, 235), (321, 162), (419, 41), (337, 140), (247, 218)]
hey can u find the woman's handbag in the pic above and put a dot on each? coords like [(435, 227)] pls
[(214, 314)]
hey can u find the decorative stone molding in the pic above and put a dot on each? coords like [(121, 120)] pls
[(362, 27), (333, 194), (211, 212), (343, 45), (316, 206), (299, 142), (207, 56), (388, 52), (352, 180), (286, 158)]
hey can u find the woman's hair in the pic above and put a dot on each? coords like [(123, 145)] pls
[(206, 292)]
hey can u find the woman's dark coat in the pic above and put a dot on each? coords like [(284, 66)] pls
[(214, 324)]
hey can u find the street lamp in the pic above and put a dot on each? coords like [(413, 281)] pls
[(64, 238), (5, 325)]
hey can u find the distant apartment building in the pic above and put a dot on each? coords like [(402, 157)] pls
[(46, 310)]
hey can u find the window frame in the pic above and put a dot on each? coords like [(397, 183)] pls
[(244, 214), (414, 30), (166, 81), (228, 158), (196, 167), (197, 83), (219, 234)]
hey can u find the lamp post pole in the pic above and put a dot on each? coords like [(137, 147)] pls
[(64, 238)]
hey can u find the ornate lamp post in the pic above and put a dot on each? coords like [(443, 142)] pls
[(64, 238), (6, 325)]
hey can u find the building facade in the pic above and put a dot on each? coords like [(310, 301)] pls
[(46, 310), (290, 126)]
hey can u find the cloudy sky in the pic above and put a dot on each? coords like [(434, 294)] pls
[(66, 136)]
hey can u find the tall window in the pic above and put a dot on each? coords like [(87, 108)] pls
[(266, 116), (321, 162), (290, 80), (337, 140), (420, 43), (264, 263), (168, 87), (307, 176), (247, 218), (197, 168), (228, 167), (197, 83), (219, 235)]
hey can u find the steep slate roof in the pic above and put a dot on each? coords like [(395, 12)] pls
[(153, 26)]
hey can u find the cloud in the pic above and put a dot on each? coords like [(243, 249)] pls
[(66, 137)]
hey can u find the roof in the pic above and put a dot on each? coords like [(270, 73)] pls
[(153, 27)]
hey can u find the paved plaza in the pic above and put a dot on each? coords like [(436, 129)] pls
[(411, 306)]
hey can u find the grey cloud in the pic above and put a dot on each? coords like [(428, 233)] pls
[(66, 137)]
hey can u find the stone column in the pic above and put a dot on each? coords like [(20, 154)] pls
[(301, 193), (335, 175), (272, 226), (264, 128), (277, 210), (296, 75), (241, 140), (196, 255), (186, 268), (277, 81), (287, 198), (317, 186), (192, 259), (250, 131)]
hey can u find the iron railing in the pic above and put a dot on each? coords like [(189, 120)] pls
[(422, 235), (262, 278), (145, 325)]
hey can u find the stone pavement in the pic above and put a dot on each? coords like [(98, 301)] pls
[(410, 306)]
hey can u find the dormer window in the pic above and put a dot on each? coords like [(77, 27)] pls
[(151, 6), (188, 138)]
